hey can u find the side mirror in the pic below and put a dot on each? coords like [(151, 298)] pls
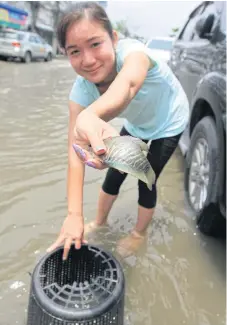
[(204, 26)]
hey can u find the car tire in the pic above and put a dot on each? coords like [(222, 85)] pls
[(49, 57), (201, 178), (27, 57), (4, 58)]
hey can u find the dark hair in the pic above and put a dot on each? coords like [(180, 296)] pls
[(89, 9)]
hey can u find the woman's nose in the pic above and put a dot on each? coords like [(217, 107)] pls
[(88, 59)]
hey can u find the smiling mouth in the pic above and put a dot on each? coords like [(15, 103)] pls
[(92, 71)]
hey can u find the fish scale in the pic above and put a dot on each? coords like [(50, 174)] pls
[(128, 154)]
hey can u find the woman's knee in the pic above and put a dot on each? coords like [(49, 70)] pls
[(113, 181), (147, 198)]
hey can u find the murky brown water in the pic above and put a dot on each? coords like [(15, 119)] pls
[(178, 276)]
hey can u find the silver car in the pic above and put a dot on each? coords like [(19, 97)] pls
[(26, 46)]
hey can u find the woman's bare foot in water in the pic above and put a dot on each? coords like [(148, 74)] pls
[(130, 244), (91, 227)]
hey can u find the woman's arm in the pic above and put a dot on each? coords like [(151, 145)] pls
[(73, 226), (125, 86), (75, 167)]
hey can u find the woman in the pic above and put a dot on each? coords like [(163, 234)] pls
[(114, 79)]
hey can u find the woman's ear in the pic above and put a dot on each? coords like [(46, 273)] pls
[(115, 38)]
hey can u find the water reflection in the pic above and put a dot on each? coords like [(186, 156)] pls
[(178, 275)]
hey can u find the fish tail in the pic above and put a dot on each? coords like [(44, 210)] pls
[(143, 146), (150, 175)]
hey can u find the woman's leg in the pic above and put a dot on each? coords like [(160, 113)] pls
[(108, 195), (160, 152)]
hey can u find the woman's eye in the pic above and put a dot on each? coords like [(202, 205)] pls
[(96, 44), (74, 52)]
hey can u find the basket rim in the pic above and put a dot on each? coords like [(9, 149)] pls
[(69, 313)]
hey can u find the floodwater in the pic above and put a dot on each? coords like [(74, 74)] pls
[(178, 275)]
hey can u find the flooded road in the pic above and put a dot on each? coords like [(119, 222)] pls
[(177, 277)]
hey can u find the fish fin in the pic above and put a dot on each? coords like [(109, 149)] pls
[(123, 169), (151, 177), (143, 146), (141, 143)]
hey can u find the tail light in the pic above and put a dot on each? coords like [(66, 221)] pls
[(17, 44)]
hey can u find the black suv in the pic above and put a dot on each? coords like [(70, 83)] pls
[(198, 60)]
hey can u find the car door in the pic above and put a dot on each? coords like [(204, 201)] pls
[(33, 46), (193, 54), (181, 61), (40, 47)]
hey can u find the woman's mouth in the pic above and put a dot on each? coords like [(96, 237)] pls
[(93, 71)]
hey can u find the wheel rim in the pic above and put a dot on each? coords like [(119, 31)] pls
[(199, 175)]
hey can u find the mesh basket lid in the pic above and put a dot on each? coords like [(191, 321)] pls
[(88, 284)]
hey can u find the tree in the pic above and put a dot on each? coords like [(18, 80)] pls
[(121, 26), (174, 31), (35, 6), (56, 9)]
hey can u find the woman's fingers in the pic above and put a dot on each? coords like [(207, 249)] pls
[(77, 243), (87, 158), (67, 247), (96, 142), (81, 153), (57, 243), (95, 163), (110, 132)]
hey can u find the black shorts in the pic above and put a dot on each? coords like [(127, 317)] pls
[(160, 152)]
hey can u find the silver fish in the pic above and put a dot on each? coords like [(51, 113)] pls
[(128, 154)]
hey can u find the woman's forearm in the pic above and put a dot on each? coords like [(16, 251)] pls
[(112, 102), (75, 186), (124, 88)]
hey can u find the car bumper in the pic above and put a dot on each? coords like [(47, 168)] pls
[(15, 52)]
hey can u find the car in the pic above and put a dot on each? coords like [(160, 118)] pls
[(161, 47), (198, 59), (26, 46)]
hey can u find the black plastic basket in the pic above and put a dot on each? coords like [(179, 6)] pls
[(86, 289)]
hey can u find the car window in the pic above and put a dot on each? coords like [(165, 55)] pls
[(11, 35), (37, 40), (188, 32), (43, 41), (159, 44), (32, 39), (21, 37), (209, 9)]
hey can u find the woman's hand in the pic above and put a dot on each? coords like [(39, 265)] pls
[(91, 130), (71, 231)]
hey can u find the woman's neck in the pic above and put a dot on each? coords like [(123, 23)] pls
[(104, 85)]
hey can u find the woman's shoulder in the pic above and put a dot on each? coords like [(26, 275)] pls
[(82, 92), (128, 43), (79, 81), (125, 47), (82, 84)]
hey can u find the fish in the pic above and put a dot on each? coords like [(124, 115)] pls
[(128, 154)]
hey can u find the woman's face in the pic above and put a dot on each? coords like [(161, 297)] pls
[(91, 50)]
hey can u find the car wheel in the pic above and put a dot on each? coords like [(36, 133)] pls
[(4, 58), (49, 57), (201, 177), (27, 57)]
